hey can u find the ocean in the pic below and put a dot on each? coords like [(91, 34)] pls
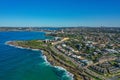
[(24, 64)]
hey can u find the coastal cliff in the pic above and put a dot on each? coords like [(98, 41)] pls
[(52, 57)]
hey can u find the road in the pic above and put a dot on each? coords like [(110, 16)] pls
[(115, 78), (85, 69), (58, 52)]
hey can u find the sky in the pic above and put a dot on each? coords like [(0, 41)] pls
[(63, 13)]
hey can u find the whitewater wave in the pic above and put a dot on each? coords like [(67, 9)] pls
[(45, 59), (66, 74), (59, 68), (35, 49)]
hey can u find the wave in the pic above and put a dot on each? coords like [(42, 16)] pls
[(35, 49), (45, 59), (66, 74)]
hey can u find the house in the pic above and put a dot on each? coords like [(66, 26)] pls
[(105, 65), (106, 58), (99, 69), (111, 51), (114, 69), (87, 62), (57, 38)]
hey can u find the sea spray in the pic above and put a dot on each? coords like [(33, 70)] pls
[(59, 68), (35, 49), (45, 60), (66, 75)]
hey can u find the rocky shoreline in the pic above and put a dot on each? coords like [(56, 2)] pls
[(52, 59)]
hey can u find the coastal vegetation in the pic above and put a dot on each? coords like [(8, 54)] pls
[(89, 55), (54, 58)]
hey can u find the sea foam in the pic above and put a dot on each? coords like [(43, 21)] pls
[(67, 74), (45, 59)]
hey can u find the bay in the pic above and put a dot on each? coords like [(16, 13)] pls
[(23, 64)]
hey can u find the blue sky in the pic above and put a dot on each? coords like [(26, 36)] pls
[(60, 13)]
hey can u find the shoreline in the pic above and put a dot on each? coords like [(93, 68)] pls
[(44, 57), (7, 43), (58, 67)]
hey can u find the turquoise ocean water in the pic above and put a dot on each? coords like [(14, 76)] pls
[(23, 64)]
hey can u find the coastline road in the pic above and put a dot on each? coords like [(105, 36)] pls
[(58, 52), (85, 70)]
